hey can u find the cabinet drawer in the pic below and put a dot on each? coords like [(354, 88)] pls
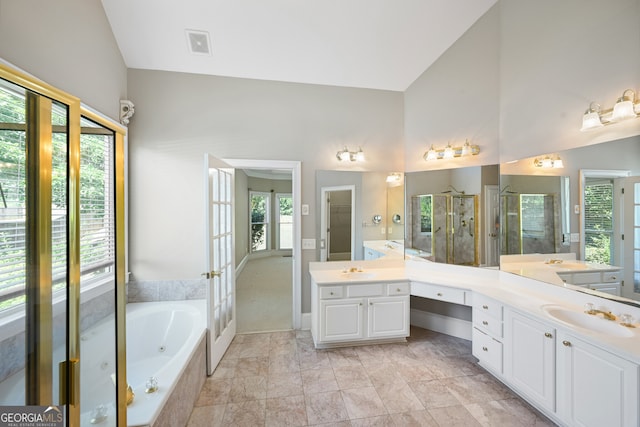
[(487, 350), (487, 323), (398, 289), (442, 293), (365, 290), (582, 278), (488, 306), (611, 276), (330, 292)]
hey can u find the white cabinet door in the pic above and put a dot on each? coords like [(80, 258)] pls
[(595, 387), (530, 358), (388, 317), (342, 319)]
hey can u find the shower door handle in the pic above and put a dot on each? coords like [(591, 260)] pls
[(69, 376)]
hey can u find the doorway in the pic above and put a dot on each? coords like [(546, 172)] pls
[(337, 223), (276, 259)]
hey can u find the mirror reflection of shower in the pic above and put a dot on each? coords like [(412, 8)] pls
[(447, 230)]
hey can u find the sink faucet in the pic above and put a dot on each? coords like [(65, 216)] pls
[(593, 311), (354, 270)]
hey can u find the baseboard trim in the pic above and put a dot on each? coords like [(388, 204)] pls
[(443, 324), (305, 321)]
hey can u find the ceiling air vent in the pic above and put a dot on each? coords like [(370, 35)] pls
[(198, 42)]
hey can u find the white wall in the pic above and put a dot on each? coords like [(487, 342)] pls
[(457, 99), (179, 117), (557, 57), (519, 80), (68, 44)]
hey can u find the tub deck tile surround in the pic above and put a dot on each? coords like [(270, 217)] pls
[(280, 379)]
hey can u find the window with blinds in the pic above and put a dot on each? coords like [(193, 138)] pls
[(97, 204), (97, 225), (598, 219)]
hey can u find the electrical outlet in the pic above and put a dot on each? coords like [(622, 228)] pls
[(575, 237), (305, 209), (383, 230)]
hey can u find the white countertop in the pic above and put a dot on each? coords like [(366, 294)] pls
[(523, 293)]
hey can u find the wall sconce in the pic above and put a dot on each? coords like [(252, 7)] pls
[(627, 107), (352, 156), (548, 162), (450, 152)]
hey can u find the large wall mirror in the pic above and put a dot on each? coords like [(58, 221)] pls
[(452, 216), (588, 210), (361, 215)]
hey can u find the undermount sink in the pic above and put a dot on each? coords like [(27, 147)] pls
[(586, 321), (357, 275)]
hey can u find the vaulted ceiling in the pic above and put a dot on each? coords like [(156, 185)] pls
[(378, 44)]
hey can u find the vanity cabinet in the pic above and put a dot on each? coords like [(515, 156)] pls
[(603, 281), (530, 358), (344, 314), (595, 387), (487, 333)]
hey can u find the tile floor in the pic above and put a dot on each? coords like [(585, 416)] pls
[(280, 379)]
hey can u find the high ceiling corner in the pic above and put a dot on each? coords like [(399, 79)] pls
[(377, 44)]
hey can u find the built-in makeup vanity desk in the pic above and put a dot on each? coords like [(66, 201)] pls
[(534, 337)]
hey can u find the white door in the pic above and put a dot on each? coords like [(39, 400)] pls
[(220, 265), (631, 242)]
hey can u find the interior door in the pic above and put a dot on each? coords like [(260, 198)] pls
[(220, 264), (631, 241)]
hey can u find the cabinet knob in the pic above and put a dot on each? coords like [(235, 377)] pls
[(485, 349), (548, 335), (370, 303), (566, 343), (486, 307), (439, 294), (330, 293), (360, 304), (484, 322), (398, 290), (614, 278)]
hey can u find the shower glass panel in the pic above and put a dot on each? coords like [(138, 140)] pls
[(444, 228), (97, 270), (530, 223), (34, 204), (13, 189)]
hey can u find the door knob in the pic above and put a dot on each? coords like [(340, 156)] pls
[(212, 273)]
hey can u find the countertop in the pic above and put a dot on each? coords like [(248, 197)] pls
[(528, 295)]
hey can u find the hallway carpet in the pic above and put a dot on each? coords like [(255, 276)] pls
[(264, 295)]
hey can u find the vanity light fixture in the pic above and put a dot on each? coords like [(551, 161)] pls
[(591, 118), (627, 107), (449, 152), (624, 108), (548, 163), (352, 156), (394, 177)]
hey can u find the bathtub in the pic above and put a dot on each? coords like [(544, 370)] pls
[(162, 340), (162, 337)]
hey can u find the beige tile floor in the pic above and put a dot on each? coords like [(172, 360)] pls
[(280, 379)]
